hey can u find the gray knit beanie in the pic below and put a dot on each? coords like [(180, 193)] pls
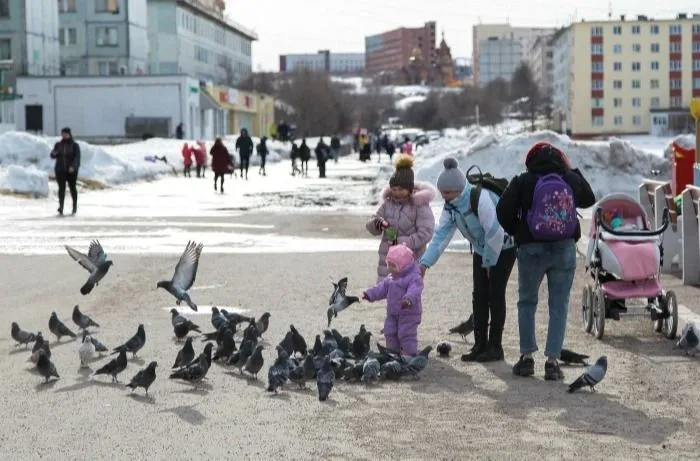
[(452, 178)]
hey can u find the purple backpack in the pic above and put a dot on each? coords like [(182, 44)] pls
[(552, 215)]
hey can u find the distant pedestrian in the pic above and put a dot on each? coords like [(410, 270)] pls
[(66, 152), (180, 131), (262, 152), (294, 156), (200, 159), (305, 155), (335, 148), (219, 162), (390, 149), (187, 160), (321, 152), (244, 145)]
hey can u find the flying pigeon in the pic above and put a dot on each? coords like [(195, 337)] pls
[(21, 336), (464, 328), (338, 300), (263, 323), (278, 374), (114, 366), (45, 366), (418, 363), (95, 262), (184, 276), (82, 320), (569, 357), (593, 376), (371, 370), (86, 351), (444, 349), (689, 339), (182, 325), (134, 344), (197, 371), (255, 362), (144, 378), (58, 328), (185, 355), (324, 379), (40, 345)]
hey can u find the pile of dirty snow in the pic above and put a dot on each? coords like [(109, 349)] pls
[(28, 180)]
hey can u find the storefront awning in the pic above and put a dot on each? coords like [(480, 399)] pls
[(206, 102)]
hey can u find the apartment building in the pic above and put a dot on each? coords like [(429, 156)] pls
[(103, 37), (324, 61), (494, 49), (628, 76), (540, 59), (393, 50)]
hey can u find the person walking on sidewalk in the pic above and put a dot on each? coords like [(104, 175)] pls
[(321, 152), (335, 147), (305, 155), (219, 162), (66, 152), (539, 208), (187, 161), (262, 152), (244, 146), (493, 260)]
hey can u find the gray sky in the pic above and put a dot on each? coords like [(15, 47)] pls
[(306, 26)]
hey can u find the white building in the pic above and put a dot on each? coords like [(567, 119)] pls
[(498, 58), (111, 107), (540, 60), (562, 93), (324, 61)]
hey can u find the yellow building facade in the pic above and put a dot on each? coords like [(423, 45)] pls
[(249, 110)]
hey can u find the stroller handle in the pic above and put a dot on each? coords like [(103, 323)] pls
[(665, 220)]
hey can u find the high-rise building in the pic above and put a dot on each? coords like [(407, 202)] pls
[(628, 76), (393, 50), (540, 60), (324, 61)]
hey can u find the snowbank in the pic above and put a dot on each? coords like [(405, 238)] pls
[(24, 180), (405, 103), (686, 141)]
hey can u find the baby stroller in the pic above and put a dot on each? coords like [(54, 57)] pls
[(624, 259)]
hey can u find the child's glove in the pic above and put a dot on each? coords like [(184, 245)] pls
[(364, 296), (380, 223), (406, 303)]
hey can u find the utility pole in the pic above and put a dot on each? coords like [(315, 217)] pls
[(477, 115)]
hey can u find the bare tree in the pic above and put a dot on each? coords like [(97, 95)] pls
[(523, 86)]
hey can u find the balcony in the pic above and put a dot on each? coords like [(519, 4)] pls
[(213, 7)]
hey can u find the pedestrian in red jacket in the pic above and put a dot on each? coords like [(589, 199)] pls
[(187, 160), (199, 157), (219, 162)]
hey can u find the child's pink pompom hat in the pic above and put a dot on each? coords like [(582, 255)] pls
[(400, 255)]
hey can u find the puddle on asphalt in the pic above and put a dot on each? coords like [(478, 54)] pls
[(204, 309)]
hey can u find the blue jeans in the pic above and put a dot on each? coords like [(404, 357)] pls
[(557, 260)]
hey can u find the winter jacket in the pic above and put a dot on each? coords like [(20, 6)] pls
[(304, 152), (244, 145), (481, 229), (262, 148), (219, 158), (412, 218), (294, 154), (517, 199), (408, 284), (187, 155), (321, 152), (335, 142), (67, 155), (200, 156)]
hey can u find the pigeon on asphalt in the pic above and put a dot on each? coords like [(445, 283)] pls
[(288, 343), (196, 371), (236, 318), (134, 344), (689, 339), (263, 323), (95, 262), (182, 325), (444, 349), (324, 379), (568, 357), (593, 376), (86, 351), (21, 336), (45, 366), (114, 366), (218, 319), (298, 341), (304, 372), (82, 320), (40, 345), (144, 378), (99, 347), (255, 362), (184, 276), (371, 370), (318, 347), (278, 374), (360, 344), (339, 301), (240, 358), (185, 355), (391, 370), (58, 328), (465, 328), (418, 363), (329, 343), (227, 346)]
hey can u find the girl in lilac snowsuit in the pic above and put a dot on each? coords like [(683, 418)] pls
[(402, 290)]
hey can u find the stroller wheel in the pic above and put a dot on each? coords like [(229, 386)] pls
[(670, 323), (587, 308), (598, 310), (658, 325)]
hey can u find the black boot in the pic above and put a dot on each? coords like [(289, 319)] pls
[(480, 345), (494, 350)]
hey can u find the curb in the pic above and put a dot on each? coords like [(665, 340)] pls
[(685, 315)]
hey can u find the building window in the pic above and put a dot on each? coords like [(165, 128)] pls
[(637, 48), (635, 30), (596, 48), (676, 101), (597, 120), (636, 102), (597, 84), (617, 102), (654, 83), (5, 49), (676, 84), (107, 36), (636, 84), (654, 65), (107, 68), (68, 36), (4, 8), (654, 29), (617, 49), (64, 6), (696, 83), (674, 47), (636, 120), (696, 47), (696, 29), (596, 102), (596, 31), (617, 120), (655, 102), (596, 67), (617, 84), (617, 66), (674, 65), (674, 29), (696, 64), (636, 66), (107, 6), (654, 47), (617, 30)]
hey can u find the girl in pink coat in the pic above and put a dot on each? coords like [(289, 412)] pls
[(405, 216), (402, 289)]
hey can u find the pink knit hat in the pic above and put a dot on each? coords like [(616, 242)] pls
[(400, 255)]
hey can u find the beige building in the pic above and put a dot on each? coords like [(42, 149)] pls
[(502, 45), (626, 76)]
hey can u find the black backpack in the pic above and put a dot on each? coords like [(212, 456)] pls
[(483, 181)]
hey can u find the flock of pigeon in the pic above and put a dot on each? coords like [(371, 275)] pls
[(332, 357)]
